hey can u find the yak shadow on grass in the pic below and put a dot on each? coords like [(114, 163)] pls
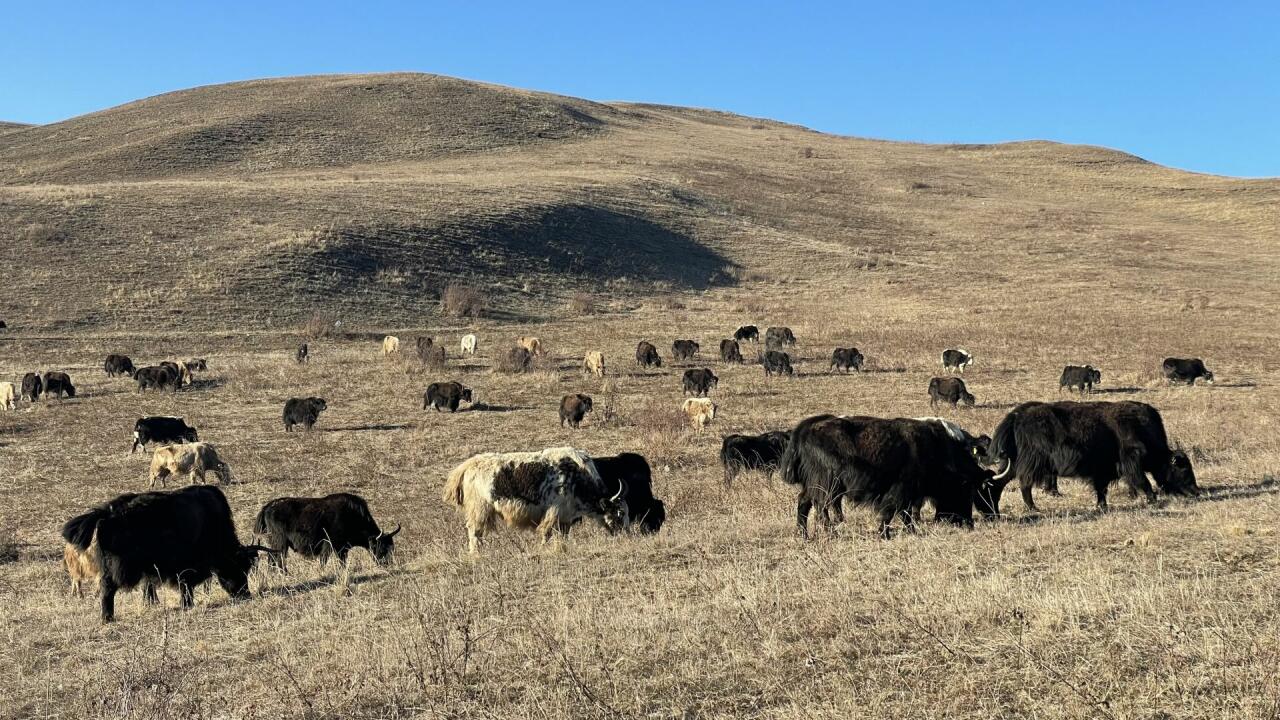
[(207, 383), (997, 406), (485, 407), (320, 583), (1115, 391), (367, 428), (1212, 493), (1241, 384)]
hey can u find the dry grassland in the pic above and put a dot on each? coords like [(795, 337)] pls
[(1030, 256)]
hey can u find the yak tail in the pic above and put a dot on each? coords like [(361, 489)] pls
[(792, 471), (81, 530), (1003, 445), (453, 485), (260, 522)]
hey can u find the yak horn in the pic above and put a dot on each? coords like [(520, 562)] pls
[(622, 487), (393, 532), (259, 548), (1008, 468)]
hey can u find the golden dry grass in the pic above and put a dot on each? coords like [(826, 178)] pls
[(1031, 256)]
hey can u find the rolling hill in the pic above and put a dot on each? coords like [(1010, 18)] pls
[(256, 204)]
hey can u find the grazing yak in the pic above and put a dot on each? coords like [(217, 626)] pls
[(752, 452), (647, 355), (468, 345), (956, 359), (8, 396), (198, 365), (700, 411), (322, 527), (303, 411), (548, 490), (699, 381), (573, 408), (532, 344), (32, 387), (776, 337), (445, 395), (950, 390), (730, 352), (1074, 376), (1100, 442), (518, 360), (429, 353), (776, 362), (58, 384), (1178, 370), (684, 349), (891, 465), (390, 345), (593, 363), (193, 460), (180, 369), (116, 365), (156, 377), (163, 429), (182, 537), (629, 474), (747, 332), (844, 359), (303, 354)]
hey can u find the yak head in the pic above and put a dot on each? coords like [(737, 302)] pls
[(466, 395), (614, 514), (967, 398), (1180, 478), (383, 547), (1208, 377), (235, 579)]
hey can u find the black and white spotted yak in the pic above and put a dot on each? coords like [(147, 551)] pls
[(548, 490)]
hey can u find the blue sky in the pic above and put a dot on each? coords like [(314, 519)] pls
[(1192, 85)]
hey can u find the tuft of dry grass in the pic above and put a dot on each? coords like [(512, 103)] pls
[(462, 301), (319, 325), (582, 304)]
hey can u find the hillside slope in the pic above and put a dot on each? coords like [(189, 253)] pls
[(258, 203)]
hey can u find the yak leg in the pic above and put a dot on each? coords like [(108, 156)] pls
[(886, 519), (1100, 489), (803, 507), (149, 593), (109, 588), (188, 595), (1025, 484), (1131, 470)]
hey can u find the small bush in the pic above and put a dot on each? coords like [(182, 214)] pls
[(319, 325), (432, 356), (39, 233), (516, 360), (462, 301), (583, 303), (660, 428)]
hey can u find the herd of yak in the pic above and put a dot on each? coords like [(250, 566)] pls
[(895, 466)]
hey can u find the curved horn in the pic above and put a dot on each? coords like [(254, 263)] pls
[(259, 548), (393, 532), (1008, 468), (622, 488)]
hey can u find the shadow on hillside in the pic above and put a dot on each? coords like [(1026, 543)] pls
[(367, 428)]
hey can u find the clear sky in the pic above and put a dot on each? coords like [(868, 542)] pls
[(1195, 85)]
